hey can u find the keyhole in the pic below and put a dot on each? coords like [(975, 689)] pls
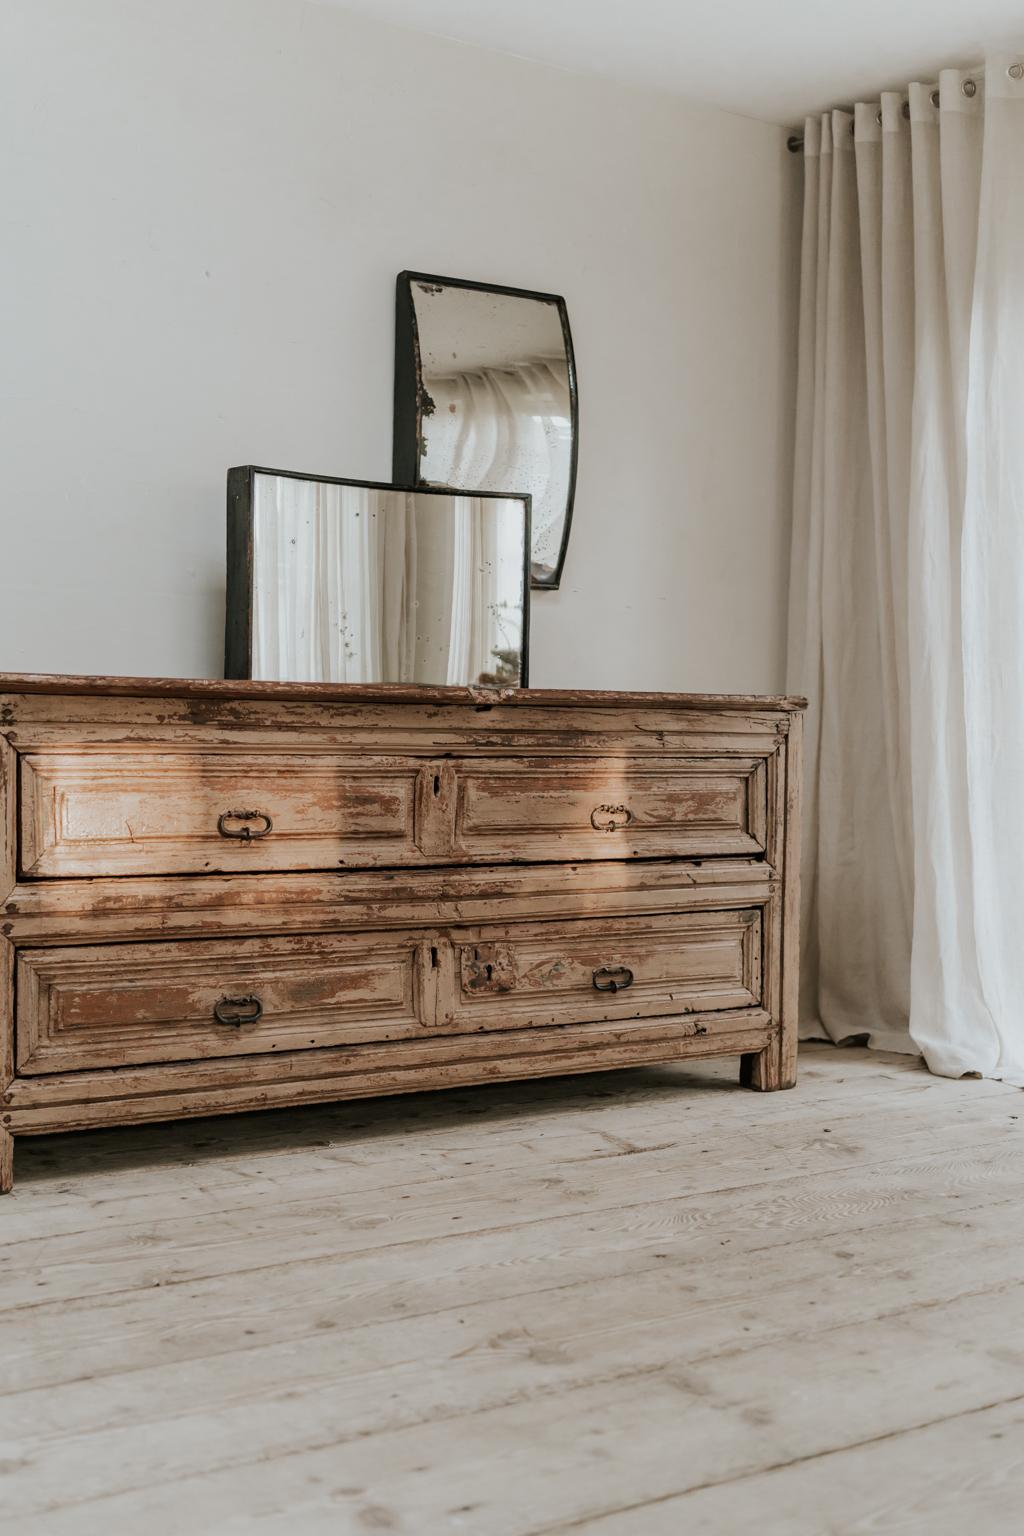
[(489, 972), (437, 784), (433, 957)]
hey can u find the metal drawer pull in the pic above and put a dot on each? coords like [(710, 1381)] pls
[(610, 818), (246, 833), (238, 1010), (616, 979)]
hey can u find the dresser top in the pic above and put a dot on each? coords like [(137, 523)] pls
[(382, 693)]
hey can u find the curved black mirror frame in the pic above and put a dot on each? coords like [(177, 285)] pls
[(410, 396)]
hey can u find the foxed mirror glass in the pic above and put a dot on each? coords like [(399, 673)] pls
[(485, 399), (344, 581)]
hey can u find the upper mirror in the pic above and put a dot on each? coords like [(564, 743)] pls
[(338, 581), (485, 399)]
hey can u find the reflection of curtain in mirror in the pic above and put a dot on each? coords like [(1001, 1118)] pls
[(399, 537), (487, 560), (468, 643), (348, 584), (332, 576), (506, 429), (284, 579)]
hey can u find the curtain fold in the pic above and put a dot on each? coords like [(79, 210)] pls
[(907, 576)]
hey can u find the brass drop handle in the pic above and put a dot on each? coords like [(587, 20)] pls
[(610, 818), (613, 979), (241, 828), (238, 1010)]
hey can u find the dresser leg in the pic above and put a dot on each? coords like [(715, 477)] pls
[(6, 1162), (769, 1069)]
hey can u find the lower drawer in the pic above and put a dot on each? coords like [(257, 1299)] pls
[(602, 968), (114, 1005)]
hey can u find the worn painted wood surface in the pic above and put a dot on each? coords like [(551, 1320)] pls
[(161, 812), (387, 693), (44, 912), (220, 896), (88, 1006), (76, 1100), (8, 818), (526, 1310)]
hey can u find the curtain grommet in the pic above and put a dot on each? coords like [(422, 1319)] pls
[(935, 98), (1016, 71), (969, 87), (878, 118)]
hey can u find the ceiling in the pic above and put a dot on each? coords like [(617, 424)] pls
[(773, 59)]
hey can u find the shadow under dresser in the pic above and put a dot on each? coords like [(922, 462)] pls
[(231, 896)]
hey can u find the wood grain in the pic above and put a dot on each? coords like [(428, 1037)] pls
[(529, 1309), (158, 812), (525, 975), (7, 964), (8, 818), (121, 1004), (776, 1067), (624, 808), (76, 911), (134, 1095), (408, 889), (385, 693)]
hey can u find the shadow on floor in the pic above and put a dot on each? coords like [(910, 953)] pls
[(195, 1141)]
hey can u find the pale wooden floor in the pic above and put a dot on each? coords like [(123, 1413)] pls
[(641, 1304)]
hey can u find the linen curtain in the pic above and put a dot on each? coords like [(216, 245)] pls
[(907, 579), (334, 587)]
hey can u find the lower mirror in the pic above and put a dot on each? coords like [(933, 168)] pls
[(340, 581)]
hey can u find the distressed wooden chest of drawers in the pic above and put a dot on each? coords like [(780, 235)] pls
[(225, 896)]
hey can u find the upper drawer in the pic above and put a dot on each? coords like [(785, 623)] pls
[(147, 812), (142, 811), (612, 808)]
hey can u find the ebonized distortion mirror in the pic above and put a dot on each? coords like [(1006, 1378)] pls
[(485, 399), (348, 581)]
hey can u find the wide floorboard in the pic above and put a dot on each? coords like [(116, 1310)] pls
[(643, 1303)]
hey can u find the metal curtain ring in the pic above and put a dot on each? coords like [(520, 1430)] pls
[(238, 1010), (613, 979), (244, 832)]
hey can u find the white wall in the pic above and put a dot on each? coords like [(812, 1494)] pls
[(206, 203)]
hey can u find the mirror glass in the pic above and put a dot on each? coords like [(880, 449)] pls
[(363, 583), (491, 401)]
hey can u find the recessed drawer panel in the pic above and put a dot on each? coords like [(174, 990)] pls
[(556, 973), (610, 809), (110, 1005), (116, 1005), (148, 812)]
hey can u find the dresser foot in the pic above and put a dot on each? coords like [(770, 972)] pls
[(6, 1162), (768, 1070)]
